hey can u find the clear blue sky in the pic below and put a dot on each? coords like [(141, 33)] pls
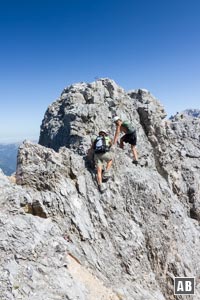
[(48, 45)]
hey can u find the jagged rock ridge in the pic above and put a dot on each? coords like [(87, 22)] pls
[(195, 113), (128, 243), (187, 113)]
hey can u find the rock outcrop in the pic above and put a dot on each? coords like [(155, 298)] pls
[(62, 239)]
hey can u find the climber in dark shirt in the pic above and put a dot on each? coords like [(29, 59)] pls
[(129, 137)]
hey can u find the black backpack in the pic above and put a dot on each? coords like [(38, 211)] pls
[(100, 145)]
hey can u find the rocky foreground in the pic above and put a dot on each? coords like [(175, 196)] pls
[(61, 239)]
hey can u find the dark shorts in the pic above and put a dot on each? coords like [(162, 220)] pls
[(130, 138)]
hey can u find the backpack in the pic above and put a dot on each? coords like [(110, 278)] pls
[(101, 144)]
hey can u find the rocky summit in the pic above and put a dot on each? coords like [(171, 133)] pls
[(61, 239)]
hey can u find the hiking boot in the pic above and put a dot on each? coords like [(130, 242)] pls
[(135, 162), (101, 188), (106, 176)]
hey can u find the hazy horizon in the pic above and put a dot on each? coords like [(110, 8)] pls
[(20, 139)]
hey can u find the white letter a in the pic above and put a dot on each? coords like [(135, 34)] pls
[(180, 287)]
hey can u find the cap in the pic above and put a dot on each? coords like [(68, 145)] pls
[(103, 131), (116, 118)]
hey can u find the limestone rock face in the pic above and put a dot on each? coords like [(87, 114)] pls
[(61, 239), (176, 147)]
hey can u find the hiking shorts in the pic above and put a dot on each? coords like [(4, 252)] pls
[(130, 138), (100, 158)]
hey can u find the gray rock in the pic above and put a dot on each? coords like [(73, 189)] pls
[(61, 239)]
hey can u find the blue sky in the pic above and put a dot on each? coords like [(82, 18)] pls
[(48, 45)]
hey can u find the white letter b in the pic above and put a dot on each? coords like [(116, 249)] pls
[(188, 286)]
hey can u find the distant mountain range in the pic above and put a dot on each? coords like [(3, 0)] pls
[(8, 157)]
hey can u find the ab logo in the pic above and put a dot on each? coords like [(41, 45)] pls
[(184, 286)]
